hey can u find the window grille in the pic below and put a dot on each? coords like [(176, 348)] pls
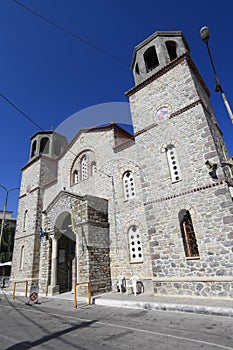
[(84, 167), (173, 163), (93, 168), (129, 185), (135, 244), (75, 177)]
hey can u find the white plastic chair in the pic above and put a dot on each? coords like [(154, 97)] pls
[(120, 283), (132, 285)]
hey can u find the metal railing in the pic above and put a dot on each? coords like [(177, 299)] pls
[(14, 288), (88, 292)]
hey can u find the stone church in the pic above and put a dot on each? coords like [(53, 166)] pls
[(156, 203)]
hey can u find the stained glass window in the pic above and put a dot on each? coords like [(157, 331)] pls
[(188, 234)]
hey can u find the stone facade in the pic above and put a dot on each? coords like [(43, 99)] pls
[(111, 203)]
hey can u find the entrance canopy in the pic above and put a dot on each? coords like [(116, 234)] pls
[(67, 211)]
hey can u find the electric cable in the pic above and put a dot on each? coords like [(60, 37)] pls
[(71, 34), (20, 111)]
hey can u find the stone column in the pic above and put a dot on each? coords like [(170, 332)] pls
[(54, 288)]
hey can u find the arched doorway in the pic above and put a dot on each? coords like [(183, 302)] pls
[(66, 252)]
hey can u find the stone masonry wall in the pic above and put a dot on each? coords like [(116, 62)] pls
[(208, 200), (104, 223), (107, 183), (25, 264)]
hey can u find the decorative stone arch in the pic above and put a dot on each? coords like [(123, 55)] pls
[(76, 164), (60, 205), (81, 151), (125, 164), (118, 167), (131, 223), (61, 219), (129, 167), (186, 206), (163, 146)]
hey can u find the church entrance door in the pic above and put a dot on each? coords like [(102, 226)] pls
[(66, 253)]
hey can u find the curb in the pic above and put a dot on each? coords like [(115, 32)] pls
[(207, 310)]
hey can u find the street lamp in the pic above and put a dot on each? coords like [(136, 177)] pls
[(4, 209), (205, 35)]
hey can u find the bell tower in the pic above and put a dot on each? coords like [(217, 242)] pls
[(156, 52), (176, 137), (39, 172), (48, 143)]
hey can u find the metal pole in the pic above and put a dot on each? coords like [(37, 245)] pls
[(205, 35), (3, 219), (218, 86), (4, 211)]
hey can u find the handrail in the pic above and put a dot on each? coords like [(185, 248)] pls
[(14, 288), (75, 292)]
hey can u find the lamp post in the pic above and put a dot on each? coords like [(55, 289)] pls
[(4, 209), (205, 35)]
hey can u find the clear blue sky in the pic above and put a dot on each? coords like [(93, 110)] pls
[(50, 75)]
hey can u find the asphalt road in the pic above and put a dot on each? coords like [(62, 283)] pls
[(55, 325)]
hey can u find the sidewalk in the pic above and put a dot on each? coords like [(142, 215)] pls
[(209, 306)]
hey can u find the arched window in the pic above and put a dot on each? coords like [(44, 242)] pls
[(128, 185), (25, 220), (173, 163), (84, 167), (75, 177), (44, 145), (171, 49), (137, 69), (188, 234), (21, 262), (33, 151), (93, 168), (135, 244), (151, 58)]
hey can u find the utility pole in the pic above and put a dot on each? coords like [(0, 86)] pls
[(4, 210), (205, 35)]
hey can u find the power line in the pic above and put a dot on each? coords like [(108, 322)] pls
[(72, 34), (20, 111), (26, 116), (69, 33)]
